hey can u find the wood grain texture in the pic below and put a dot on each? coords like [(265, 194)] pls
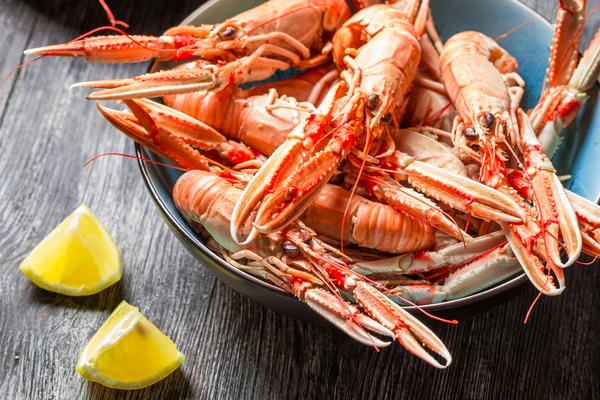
[(235, 349)]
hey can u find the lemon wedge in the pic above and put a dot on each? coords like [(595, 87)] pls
[(78, 258), (128, 352)]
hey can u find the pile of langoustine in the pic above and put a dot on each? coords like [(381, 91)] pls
[(396, 167)]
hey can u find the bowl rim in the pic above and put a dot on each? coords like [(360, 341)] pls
[(190, 236)]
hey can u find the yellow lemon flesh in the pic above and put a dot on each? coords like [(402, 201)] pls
[(78, 258), (128, 352)]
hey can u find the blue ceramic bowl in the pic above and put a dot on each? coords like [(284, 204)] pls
[(530, 45)]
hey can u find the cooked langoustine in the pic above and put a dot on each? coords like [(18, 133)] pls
[(296, 259), (475, 70), (297, 171), (251, 46), (357, 121), (368, 224)]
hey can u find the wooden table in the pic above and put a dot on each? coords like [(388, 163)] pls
[(234, 347)]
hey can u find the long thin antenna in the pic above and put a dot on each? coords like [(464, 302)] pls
[(111, 17)]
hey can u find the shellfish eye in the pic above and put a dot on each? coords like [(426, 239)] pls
[(290, 249), (304, 235), (373, 101), (387, 119), (487, 119), (227, 33), (470, 134)]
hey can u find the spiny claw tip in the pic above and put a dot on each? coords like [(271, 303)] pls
[(37, 51), (559, 263), (447, 356), (380, 343), (554, 291), (60, 50), (77, 85)]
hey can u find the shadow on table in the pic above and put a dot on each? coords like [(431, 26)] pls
[(175, 386), (299, 359), (108, 299)]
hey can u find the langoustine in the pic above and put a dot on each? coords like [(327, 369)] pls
[(302, 263), (250, 47), (366, 102)]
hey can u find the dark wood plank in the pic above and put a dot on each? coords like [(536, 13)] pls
[(235, 348)]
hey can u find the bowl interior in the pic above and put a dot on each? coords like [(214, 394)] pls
[(530, 46)]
